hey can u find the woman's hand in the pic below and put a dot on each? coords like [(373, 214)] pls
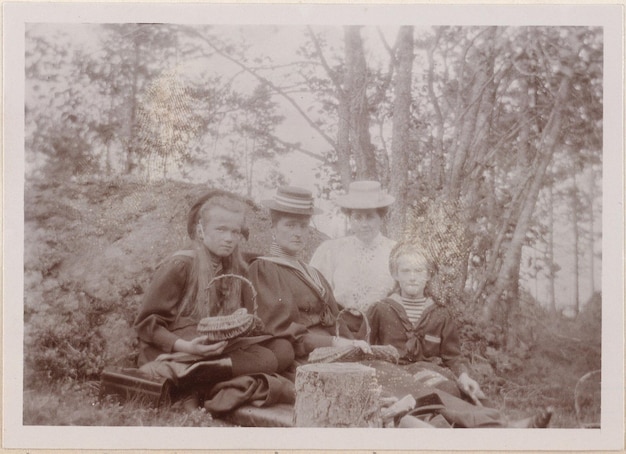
[(198, 346), (470, 387), (343, 342)]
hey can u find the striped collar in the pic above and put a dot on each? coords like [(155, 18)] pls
[(398, 299), (417, 301), (277, 251)]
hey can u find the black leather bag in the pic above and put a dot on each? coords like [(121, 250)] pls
[(130, 384)]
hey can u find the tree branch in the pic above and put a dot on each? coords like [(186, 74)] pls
[(266, 81), (331, 74)]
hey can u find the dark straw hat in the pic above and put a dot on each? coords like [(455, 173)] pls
[(290, 199), (193, 217)]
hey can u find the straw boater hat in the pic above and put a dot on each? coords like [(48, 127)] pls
[(365, 195), (293, 200)]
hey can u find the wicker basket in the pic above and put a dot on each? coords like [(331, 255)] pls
[(587, 396), (352, 353), (239, 323)]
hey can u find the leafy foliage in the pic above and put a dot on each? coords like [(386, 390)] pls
[(80, 306)]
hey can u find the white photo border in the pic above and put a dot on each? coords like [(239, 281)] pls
[(610, 436)]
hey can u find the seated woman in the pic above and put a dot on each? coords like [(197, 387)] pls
[(295, 300), (356, 265), (416, 320), (179, 296)]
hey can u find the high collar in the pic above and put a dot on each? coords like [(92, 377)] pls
[(216, 261), (398, 299), (378, 239), (277, 251)]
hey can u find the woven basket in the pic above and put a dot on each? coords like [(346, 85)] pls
[(587, 395), (351, 353), (239, 323)]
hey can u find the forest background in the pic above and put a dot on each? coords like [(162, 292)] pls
[(490, 138)]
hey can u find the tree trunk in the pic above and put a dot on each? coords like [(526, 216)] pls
[(401, 124), (359, 118), (132, 142), (576, 230), (546, 149), (438, 158), (473, 127), (344, 167), (551, 264), (591, 243), (337, 395)]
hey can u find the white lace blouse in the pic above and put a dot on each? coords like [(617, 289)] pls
[(358, 273)]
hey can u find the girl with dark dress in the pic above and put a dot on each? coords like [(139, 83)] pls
[(179, 296), (295, 300)]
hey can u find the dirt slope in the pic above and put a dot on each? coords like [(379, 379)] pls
[(90, 250)]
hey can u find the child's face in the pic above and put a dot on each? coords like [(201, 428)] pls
[(221, 230), (412, 275)]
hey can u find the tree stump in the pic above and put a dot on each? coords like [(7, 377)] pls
[(337, 395)]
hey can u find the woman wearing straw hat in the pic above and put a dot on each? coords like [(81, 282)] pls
[(294, 299), (356, 266)]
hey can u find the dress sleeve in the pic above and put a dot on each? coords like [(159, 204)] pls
[(323, 261), (451, 348), (160, 305), (275, 305), (278, 309)]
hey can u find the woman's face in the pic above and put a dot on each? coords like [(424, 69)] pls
[(412, 275), (220, 230), (291, 233), (366, 224)]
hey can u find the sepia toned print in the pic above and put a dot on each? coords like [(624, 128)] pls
[(175, 172)]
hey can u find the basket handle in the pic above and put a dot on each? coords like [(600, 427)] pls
[(577, 407), (368, 329), (237, 276)]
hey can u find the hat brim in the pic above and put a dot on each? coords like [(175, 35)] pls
[(272, 205), (359, 203)]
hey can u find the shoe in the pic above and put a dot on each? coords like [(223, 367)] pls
[(540, 420), (191, 402)]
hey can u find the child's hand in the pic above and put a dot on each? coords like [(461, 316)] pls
[(343, 342), (198, 346), (470, 387)]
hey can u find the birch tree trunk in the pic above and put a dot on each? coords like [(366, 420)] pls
[(576, 231), (359, 119), (401, 123), (551, 264), (545, 152)]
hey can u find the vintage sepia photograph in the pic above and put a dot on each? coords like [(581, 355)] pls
[(336, 223)]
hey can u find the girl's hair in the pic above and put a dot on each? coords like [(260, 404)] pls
[(276, 216), (224, 296), (382, 212), (406, 248)]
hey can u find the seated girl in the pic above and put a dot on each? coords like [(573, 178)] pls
[(180, 296), (295, 300), (416, 320)]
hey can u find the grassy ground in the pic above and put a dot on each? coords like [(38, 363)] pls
[(90, 248)]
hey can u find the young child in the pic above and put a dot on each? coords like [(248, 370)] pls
[(415, 320)]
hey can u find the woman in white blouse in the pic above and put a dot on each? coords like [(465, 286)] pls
[(357, 266)]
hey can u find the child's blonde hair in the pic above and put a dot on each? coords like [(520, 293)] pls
[(224, 297), (408, 248)]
